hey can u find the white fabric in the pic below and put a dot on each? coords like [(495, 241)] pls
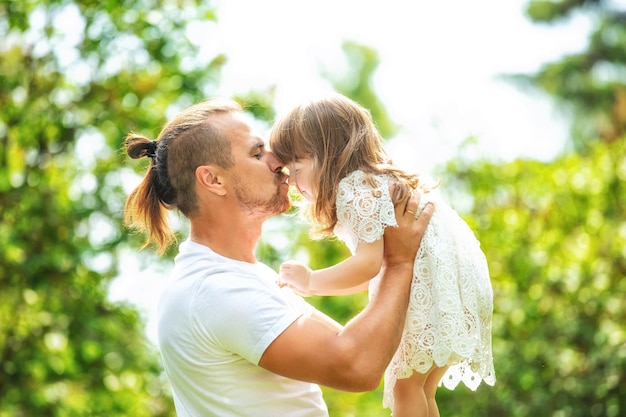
[(451, 305), (216, 317)]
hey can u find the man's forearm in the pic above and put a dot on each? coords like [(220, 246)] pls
[(377, 330)]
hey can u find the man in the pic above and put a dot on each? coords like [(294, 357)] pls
[(233, 343)]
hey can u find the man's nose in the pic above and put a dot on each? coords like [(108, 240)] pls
[(275, 165)]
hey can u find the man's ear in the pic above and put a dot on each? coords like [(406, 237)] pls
[(210, 178)]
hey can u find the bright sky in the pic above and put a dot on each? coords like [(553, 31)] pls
[(439, 60), (437, 77)]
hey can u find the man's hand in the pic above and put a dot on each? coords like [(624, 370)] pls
[(402, 242)]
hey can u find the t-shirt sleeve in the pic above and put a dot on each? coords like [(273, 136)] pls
[(243, 317), (364, 209)]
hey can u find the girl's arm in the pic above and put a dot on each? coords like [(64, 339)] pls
[(347, 277)]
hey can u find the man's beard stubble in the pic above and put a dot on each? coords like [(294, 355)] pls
[(275, 204)]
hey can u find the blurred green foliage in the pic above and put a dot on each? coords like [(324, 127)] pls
[(555, 238), (590, 85), (75, 77)]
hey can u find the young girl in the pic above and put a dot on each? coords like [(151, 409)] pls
[(336, 160)]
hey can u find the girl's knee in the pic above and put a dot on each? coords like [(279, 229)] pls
[(432, 381), (405, 388), (411, 386)]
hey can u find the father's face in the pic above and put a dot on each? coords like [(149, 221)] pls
[(259, 184)]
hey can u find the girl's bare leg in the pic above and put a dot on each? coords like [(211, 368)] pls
[(430, 389), (415, 396), (409, 399)]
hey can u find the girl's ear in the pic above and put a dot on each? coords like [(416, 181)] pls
[(210, 178)]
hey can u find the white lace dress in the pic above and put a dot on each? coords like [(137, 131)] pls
[(449, 317)]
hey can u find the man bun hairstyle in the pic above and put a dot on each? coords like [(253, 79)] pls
[(186, 142)]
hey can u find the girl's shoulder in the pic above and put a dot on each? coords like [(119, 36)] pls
[(358, 185), (353, 176), (359, 178)]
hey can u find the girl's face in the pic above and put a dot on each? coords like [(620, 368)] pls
[(300, 175)]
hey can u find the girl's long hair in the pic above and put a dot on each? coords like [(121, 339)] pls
[(339, 136)]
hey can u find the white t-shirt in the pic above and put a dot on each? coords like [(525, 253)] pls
[(216, 317)]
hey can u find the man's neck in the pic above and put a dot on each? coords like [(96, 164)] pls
[(230, 238)]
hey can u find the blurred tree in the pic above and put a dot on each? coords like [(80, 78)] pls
[(589, 85), (555, 238), (75, 77)]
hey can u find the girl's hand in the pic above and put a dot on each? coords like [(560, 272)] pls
[(296, 276)]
